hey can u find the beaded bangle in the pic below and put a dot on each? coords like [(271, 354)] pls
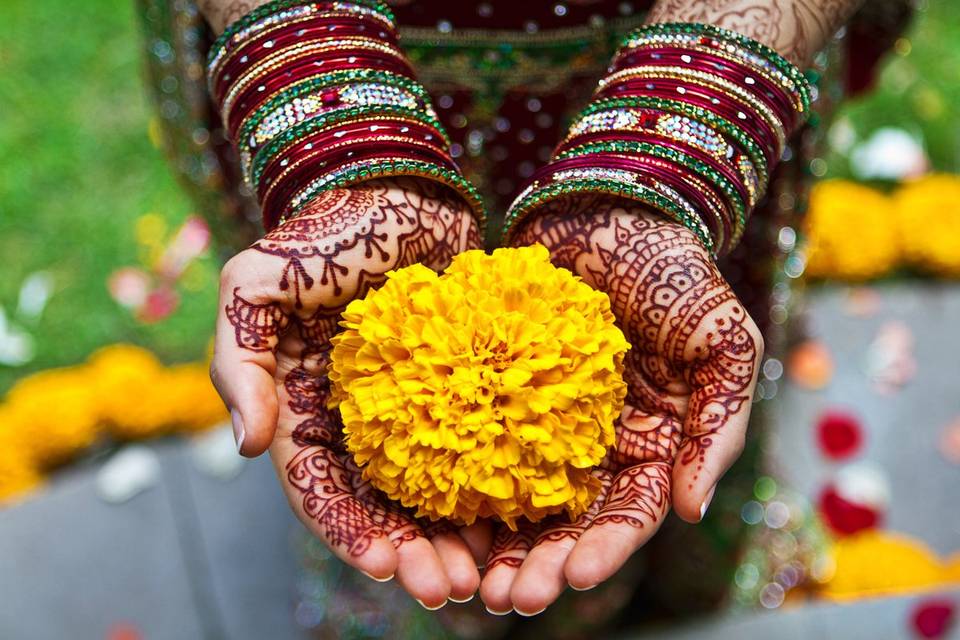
[(689, 121), (318, 95)]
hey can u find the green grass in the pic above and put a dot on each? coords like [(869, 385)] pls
[(77, 168), (918, 89)]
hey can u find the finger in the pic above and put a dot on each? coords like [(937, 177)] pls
[(318, 486), (506, 556), (459, 563), (249, 324), (722, 386), (541, 580), (420, 570), (479, 539), (638, 500)]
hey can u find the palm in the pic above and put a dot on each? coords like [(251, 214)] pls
[(281, 301), (690, 375)]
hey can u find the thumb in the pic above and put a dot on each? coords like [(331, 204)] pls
[(716, 423), (244, 361)]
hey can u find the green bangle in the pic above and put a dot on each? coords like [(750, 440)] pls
[(750, 147), (541, 195), (265, 10), (667, 153), (318, 82), (356, 174), (699, 29), (308, 126)]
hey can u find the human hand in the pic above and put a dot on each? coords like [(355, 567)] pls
[(691, 374), (280, 302)]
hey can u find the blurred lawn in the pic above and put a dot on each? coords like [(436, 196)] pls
[(77, 168), (76, 171)]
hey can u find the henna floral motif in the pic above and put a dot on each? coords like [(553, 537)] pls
[(341, 244), (795, 28), (320, 476), (256, 325), (693, 355), (639, 497)]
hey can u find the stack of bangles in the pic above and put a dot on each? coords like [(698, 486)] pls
[(318, 95), (689, 120)]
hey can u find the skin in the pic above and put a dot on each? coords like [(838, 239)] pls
[(692, 376), (279, 305), (691, 372)]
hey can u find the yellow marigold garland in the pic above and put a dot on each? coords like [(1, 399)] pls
[(122, 392), (855, 232), (928, 223), (490, 390), (851, 233), (874, 563)]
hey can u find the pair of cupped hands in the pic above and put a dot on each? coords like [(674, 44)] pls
[(691, 373)]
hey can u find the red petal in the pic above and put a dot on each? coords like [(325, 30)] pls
[(839, 435), (845, 517), (933, 618)]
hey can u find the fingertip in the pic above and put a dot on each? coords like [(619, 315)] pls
[(255, 412), (495, 590), (459, 565), (580, 572), (379, 562), (421, 573)]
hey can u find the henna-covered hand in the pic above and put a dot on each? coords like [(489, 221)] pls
[(691, 373), (280, 302)]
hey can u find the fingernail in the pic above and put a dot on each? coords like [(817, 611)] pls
[(499, 613), (439, 606), (706, 501), (529, 615), (238, 432), (463, 601), (376, 579), (593, 586)]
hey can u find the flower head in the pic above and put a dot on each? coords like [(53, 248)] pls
[(490, 390)]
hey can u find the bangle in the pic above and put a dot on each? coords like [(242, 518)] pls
[(317, 95), (689, 120)]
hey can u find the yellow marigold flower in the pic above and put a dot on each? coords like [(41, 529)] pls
[(928, 220), (879, 563), (850, 232), (193, 401), (132, 402), (55, 413), (18, 475), (491, 390)]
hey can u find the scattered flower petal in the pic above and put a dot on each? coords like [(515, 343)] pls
[(129, 286), (160, 303), (889, 361), (810, 365), (950, 441), (839, 435), (933, 618)]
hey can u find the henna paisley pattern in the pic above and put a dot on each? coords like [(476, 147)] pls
[(692, 365)]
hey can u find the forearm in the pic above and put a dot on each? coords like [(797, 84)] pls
[(797, 29)]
